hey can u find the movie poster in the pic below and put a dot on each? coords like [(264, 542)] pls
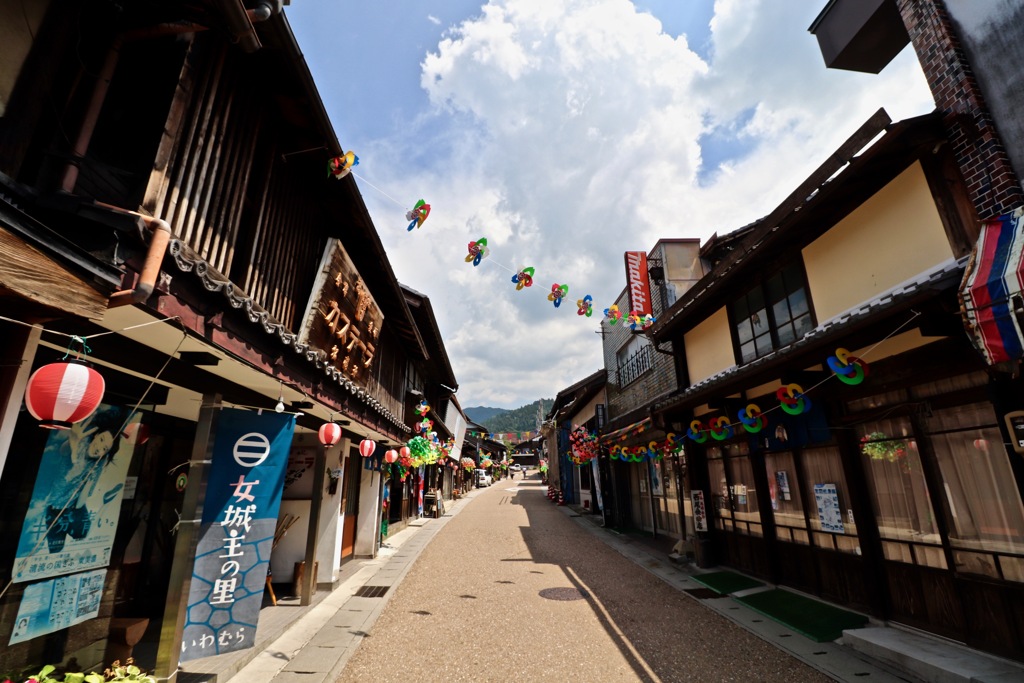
[(72, 517), (56, 604)]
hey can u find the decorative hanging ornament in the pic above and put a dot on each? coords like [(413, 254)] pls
[(136, 432), (558, 292), (696, 432), (752, 419), (339, 167), (417, 215), (613, 314), (524, 278), (477, 251), (849, 369), (642, 321), (367, 447), (61, 394), (330, 433), (391, 456), (422, 408), (720, 428), (585, 306), (792, 399), (404, 452), (181, 482)]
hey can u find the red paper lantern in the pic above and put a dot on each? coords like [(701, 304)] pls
[(391, 456), (330, 433), (367, 447), (404, 452), (137, 431), (61, 394)]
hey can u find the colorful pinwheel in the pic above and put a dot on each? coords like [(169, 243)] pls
[(642, 321), (418, 214), (585, 306), (613, 314), (524, 278), (558, 292), (339, 167), (477, 251), (422, 408)]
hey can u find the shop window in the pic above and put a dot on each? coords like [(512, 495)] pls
[(899, 493), (733, 491), (585, 477), (984, 505), (772, 315), (787, 503), (831, 520)]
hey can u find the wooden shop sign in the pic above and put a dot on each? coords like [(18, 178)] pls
[(342, 318)]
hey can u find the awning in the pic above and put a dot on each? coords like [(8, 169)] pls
[(625, 432), (990, 294)]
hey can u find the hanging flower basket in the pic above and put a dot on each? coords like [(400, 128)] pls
[(879, 446)]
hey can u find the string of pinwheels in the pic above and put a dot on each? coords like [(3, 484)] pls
[(478, 251)]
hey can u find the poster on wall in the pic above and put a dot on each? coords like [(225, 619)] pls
[(243, 496), (76, 501), (782, 479), (700, 517), (827, 499), (656, 484), (299, 475), (56, 604)]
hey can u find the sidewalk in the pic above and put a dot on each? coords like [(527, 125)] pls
[(878, 652), (319, 644)]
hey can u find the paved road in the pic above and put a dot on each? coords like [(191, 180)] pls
[(486, 601)]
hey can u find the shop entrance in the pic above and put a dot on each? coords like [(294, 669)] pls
[(350, 504)]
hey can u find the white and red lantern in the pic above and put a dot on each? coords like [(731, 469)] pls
[(404, 452), (61, 394), (367, 447), (391, 456), (330, 433)]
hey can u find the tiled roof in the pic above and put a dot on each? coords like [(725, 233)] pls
[(188, 261)]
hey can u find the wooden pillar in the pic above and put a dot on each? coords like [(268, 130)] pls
[(176, 606)]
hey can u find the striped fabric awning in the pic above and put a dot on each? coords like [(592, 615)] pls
[(635, 428), (990, 294)]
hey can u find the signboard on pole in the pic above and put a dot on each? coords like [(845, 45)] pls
[(700, 515), (243, 495), (639, 283)]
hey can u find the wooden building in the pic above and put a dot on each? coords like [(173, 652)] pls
[(164, 196), (895, 493)]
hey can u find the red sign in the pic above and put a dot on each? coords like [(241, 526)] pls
[(639, 283)]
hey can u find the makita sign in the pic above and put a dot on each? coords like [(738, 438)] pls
[(639, 283)]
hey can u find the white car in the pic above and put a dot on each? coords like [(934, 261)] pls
[(515, 468), (481, 478)]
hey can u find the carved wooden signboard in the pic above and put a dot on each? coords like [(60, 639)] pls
[(343, 319)]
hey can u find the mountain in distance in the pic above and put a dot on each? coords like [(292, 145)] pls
[(481, 414), (523, 419)]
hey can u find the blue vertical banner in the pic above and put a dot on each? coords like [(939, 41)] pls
[(243, 495)]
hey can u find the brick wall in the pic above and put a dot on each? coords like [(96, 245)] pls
[(993, 186), (657, 381)]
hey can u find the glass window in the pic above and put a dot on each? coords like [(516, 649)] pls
[(771, 315), (826, 492), (899, 492), (744, 494), (787, 505), (984, 504)]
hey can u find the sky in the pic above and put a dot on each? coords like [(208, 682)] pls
[(567, 132)]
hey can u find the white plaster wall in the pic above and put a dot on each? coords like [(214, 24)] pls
[(368, 523)]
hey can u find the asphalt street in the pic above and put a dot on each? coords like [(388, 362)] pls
[(511, 588)]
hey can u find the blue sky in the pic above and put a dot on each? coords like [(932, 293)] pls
[(568, 132)]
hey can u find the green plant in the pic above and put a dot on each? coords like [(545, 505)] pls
[(116, 672), (879, 446)]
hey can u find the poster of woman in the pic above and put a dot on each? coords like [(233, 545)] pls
[(76, 500)]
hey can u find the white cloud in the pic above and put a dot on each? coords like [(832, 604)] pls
[(567, 132), (433, 20)]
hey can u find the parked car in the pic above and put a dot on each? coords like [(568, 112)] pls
[(482, 478), (515, 468)]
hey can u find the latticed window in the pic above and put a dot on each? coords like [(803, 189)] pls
[(771, 315), (637, 362)]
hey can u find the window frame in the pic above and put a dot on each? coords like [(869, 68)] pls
[(761, 289)]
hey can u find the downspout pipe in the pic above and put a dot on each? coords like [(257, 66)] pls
[(159, 239)]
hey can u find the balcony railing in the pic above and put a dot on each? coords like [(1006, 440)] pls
[(633, 367)]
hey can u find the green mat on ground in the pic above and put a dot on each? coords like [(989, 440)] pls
[(724, 583), (816, 620)]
